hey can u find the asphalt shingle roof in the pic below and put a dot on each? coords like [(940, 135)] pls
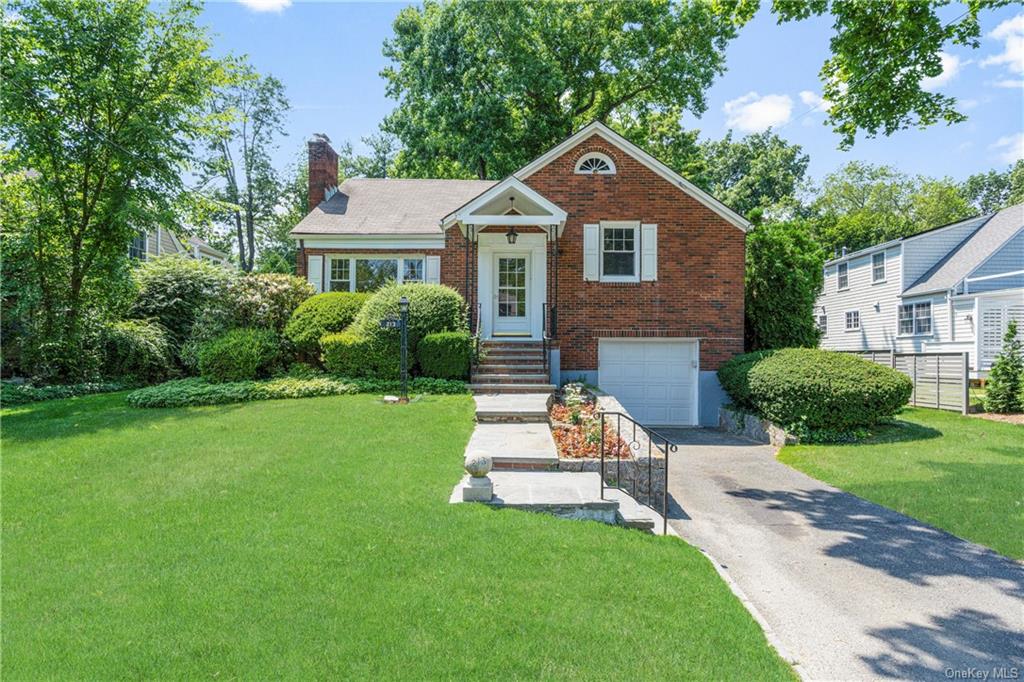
[(971, 252), (389, 206)]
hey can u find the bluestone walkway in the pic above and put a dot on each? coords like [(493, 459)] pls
[(849, 589)]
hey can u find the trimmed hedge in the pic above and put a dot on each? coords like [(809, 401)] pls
[(137, 351), (733, 377), (240, 354), (433, 308), (12, 394), (348, 354), (818, 389), (322, 314), (445, 355)]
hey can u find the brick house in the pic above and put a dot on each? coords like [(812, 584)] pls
[(632, 274)]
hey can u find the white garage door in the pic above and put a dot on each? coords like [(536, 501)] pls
[(656, 380)]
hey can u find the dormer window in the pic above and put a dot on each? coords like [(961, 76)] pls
[(595, 163)]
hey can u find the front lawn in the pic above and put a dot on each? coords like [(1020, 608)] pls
[(312, 538), (962, 474)]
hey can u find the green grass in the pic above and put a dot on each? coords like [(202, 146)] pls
[(962, 474), (313, 539)]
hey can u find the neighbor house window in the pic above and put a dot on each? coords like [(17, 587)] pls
[(915, 318), (366, 273), (137, 249), (823, 324), (340, 275), (852, 320), (878, 267), (843, 276), (620, 254), (595, 164)]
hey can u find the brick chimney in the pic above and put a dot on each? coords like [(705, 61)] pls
[(323, 169)]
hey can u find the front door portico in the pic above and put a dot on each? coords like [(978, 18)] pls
[(511, 299), (511, 284)]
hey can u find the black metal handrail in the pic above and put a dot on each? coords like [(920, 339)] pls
[(476, 337), (635, 445), (545, 338)]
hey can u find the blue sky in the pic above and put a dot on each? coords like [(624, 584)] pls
[(328, 55)]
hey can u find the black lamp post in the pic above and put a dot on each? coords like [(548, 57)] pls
[(511, 234), (403, 309)]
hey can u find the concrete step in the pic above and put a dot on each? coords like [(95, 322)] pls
[(512, 388), (512, 408), (508, 378)]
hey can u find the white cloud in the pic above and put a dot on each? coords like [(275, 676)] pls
[(753, 113), (815, 101), (266, 5), (966, 104), (1011, 32), (950, 66), (965, 146), (1009, 83), (1009, 148)]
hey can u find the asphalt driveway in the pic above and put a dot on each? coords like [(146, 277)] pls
[(847, 589)]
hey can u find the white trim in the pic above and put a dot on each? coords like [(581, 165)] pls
[(633, 225), (838, 287), (535, 245), (465, 213), (595, 155), (399, 259), (846, 322), (884, 272), (613, 138), (371, 242)]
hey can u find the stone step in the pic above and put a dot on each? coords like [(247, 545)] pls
[(524, 343), (508, 378), (505, 358), (512, 388), (515, 445), (512, 408)]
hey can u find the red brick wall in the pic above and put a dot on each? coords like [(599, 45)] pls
[(323, 169), (699, 291)]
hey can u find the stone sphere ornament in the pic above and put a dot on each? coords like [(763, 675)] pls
[(478, 465)]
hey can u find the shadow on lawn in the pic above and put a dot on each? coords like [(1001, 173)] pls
[(890, 542), (897, 431), (91, 414), (961, 640)]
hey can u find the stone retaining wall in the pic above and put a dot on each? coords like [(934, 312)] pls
[(753, 427)]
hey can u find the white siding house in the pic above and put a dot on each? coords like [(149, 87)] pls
[(954, 288)]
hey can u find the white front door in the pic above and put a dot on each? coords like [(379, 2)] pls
[(511, 294)]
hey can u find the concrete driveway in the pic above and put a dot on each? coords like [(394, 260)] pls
[(847, 589)]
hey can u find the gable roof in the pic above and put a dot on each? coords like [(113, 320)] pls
[(389, 206), (972, 252), (610, 136), (204, 246), (471, 211)]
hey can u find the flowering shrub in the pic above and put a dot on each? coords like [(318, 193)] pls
[(577, 432)]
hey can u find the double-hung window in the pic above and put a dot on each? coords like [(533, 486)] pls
[(852, 320), (878, 267), (843, 276), (369, 273), (620, 252), (915, 318), (137, 249), (823, 324)]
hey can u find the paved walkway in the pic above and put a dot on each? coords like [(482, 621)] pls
[(848, 589)]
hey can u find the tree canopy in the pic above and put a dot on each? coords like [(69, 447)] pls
[(483, 87)]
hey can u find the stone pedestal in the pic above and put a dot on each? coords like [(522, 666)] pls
[(478, 489)]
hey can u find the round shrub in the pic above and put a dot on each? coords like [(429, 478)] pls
[(266, 300), (733, 375), (821, 389), (240, 354), (433, 308), (137, 351), (320, 315), (350, 355), (445, 355), (174, 290)]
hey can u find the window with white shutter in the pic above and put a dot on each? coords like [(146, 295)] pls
[(649, 252), (591, 253), (315, 272)]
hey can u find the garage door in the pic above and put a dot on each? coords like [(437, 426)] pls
[(656, 380)]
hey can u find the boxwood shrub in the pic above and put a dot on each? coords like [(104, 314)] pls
[(137, 351), (322, 314), (445, 355), (733, 377), (240, 354), (433, 308), (818, 389), (351, 355)]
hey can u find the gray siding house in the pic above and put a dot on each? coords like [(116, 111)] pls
[(954, 288)]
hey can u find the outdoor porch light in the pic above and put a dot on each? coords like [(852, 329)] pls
[(511, 235)]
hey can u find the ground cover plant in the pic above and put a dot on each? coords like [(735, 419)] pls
[(313, 539), (959, 473), (12, 393)]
